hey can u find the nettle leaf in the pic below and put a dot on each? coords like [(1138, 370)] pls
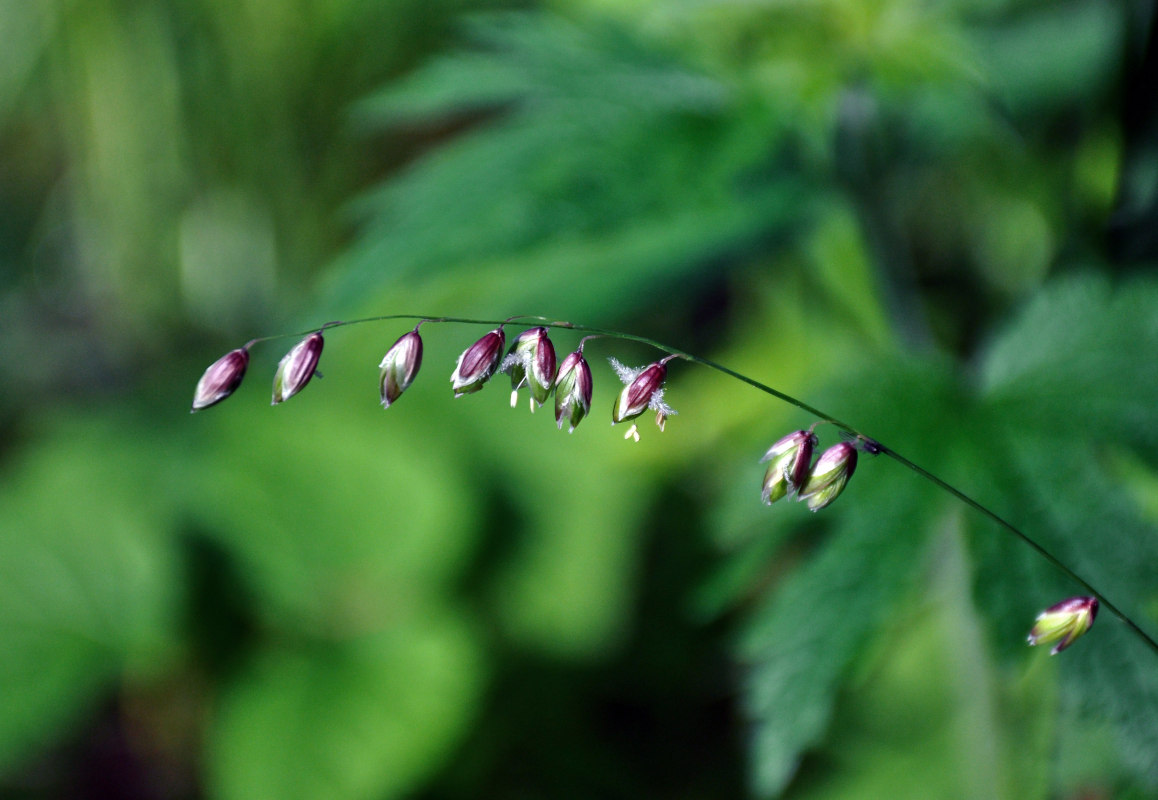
[(1066, 389), (574, 109), (1078, 363), (589, 135), (544, 59), (1068, 500), (1074, 380), (1114, 678), (803, 642), (1012, 583)]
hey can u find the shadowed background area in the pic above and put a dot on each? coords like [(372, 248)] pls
[(933, 220)]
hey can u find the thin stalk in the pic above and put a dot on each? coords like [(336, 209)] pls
[(871, 445)]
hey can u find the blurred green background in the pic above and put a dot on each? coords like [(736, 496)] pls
[(934, 220)]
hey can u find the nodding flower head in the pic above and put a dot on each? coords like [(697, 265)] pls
[(829, 476), (478, 362), (572, 390), (788, 460), (223, 376), (643, 390), (1063, 623), (399, 366), (297, 367), (531, 361)]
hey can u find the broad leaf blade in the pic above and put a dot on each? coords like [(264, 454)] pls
[(363, 719), (87, 587)]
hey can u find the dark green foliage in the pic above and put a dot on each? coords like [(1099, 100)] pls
[(1079, 363), (896, 211), (1035, 446), (802, 644), (591, 150)]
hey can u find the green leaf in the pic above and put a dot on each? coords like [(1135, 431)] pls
[(928, 714), (1077, 364), (1073, 384), (812, 630), (1053, 55), (380, 533), (597, 137), (539, 58), (367, 718), (1067, 390), (1113, 677), (87, 589), (804, 642)]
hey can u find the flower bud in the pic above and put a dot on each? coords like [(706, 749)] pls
[(399, 366), (828, 477), (1064, 622), (223, 376), (572, 390), (297, 367), (789, 460), (478, 362), (531, 360)]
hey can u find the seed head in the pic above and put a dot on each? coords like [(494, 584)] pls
[(643, 390), (531, 361), (297, 367), (828, 477), (478, 362), (788, 460), (573, 390), (399, 366), (221, 379), (1064, 623)]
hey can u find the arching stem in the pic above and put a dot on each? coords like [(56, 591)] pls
[(866, 443)]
